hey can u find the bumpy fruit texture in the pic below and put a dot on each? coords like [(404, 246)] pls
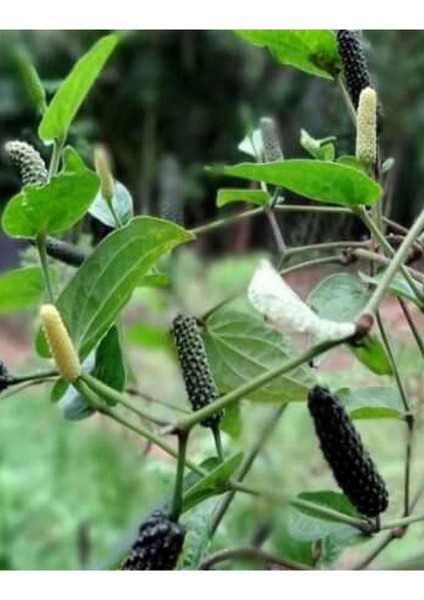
[(158, 545), (270, 140), (60, 344), (31, 166), (354, 63), (366, 127), (352, 466), (198, 378)]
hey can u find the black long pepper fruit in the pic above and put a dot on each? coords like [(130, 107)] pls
[(198, 379), (352, 466), (158, 545), (354, 63)]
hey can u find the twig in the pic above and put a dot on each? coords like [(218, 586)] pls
[(252, 553), (412, 326)]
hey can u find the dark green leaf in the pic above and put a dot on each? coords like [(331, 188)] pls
[(122, 204), (319, 180), (241, 347), (55, 206), (109, 366), (212, 483), (72, 92), (329, 499), (372, 402), (313, 51), (102, 286), (227, 196), (399, 287), (342, 297), (317, 148), (20, 288)]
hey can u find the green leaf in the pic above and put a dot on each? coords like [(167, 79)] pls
[(149, 336), (20, 288), (320, 149), (370, 352), (351, 161), (399, 287), (342, 297), (313, 51), (226, 196), (212, 483), (374, 402), (232, 422), (196, 543), (55, 206), (308, 525), (72, 92), (102, 286), (122, 204), (110, 366), (241, 347), (319, 180), (154, 280)]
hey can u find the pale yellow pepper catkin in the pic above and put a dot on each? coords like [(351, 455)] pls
[(366, 127), (60, 344)]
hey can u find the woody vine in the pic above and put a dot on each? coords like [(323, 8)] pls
[(81, 312)]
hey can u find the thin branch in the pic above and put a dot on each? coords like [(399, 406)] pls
[(250, 552), (412, 326)]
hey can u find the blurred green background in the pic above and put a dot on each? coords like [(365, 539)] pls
[(71, 494)]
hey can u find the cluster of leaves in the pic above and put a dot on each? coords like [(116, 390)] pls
[(240, 346)]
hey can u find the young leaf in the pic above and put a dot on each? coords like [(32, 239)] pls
[(122, 204), (212, 483), (319, 149), (110, 366), (252, 144), (372, 402), (319, 180), (20, 288), (342, 297), (72, 92), (226, 196), (55, 206), (102, 286), (241, 347), (313, 51), (232, 422)]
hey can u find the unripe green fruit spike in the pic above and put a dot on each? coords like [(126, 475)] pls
[(366, 127)]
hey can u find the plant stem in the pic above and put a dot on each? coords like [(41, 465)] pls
[(177, 500), (135, 392), (346, 97), (399, 258), (252, 553), (247, 463), (379, 258), (253, 384), (402, 522), (324, 247), (40, 242), (55, 158), (412, 326), (224, 222), (218, 442), (109, 394), (31, 377), (409, 417)]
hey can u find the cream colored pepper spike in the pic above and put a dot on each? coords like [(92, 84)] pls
[(366, 127), (60, 344), (104, 171)]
